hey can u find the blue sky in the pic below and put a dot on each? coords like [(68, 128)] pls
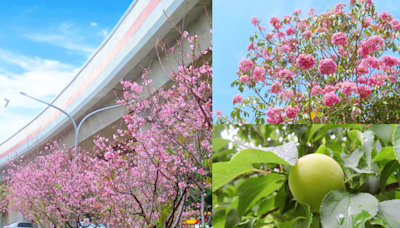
[(232, 29), (43, 43)]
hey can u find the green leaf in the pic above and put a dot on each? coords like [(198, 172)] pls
[(240, 163), (351, 161), (223, 172), (219, 218), (322, 149), (291, 223), (266, 205), (396, 142), (285, 154), (341, 209), (219, 144), (382, 131), (280, 199), (313, 129), (315, 222), (248, 224), (368, 145), (389, 168), (234, 204), (385, 154), (389, 212), (309, 216), (253, 189), (355, 134), (326, 128), (232, 218)]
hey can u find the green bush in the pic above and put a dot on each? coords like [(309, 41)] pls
[(252, 164)]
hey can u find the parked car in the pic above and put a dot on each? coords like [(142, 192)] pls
[(20, 224)]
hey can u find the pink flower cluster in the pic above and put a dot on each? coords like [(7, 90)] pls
[(245, 79), (364, 91), (237, 99), (286, 75), (329, 88), (370, 45), (316, 90), (275, 22), (245, 65), (290, 31), (254, 21), (390, 60), (348, 87), (274, 115), (330, 99), (305, 62), (276, 87), (396, 24), (327, 66), (291, 112), (307, 34), (259, 74), (339, 39)]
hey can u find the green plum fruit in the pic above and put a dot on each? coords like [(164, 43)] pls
[(313, 176)]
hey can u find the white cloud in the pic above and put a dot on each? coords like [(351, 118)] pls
[(93, 24), (41, 78), (67, 37)]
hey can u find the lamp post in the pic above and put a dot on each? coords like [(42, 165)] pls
[(76, 127)]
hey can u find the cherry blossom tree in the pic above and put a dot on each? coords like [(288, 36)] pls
[(155, 172), (57, 189), (334, 67)]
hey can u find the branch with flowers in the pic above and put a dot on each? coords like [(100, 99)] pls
[(333, 67)]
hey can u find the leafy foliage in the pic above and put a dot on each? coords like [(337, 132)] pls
[(257, 194)]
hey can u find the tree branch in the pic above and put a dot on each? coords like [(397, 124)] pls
[(269, 212), (390, 187)]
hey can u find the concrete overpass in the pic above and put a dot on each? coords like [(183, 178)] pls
[(128, 48)]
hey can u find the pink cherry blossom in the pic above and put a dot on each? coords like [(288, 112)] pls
[(390, 60), (364, 91), (339, 39), (245, 79), (291, 112), (245, 65), (348, 87), (286, 75), (274, 116), (237, 99), (275, 22), (330, 99), (327, 66), (254, 21), (329, 88), (276, 87), (396, 24), (316, 90), (305, 62), (307, 34), (290, 31), (259, 74)]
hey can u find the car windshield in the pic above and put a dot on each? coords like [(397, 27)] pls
[(25, 224)]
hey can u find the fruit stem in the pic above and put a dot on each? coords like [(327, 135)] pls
[(261, 171)]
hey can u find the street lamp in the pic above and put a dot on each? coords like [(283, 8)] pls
[(76, 127)]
